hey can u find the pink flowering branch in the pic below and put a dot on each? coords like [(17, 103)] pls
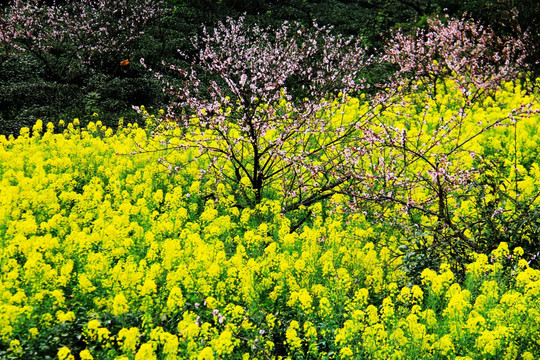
[(459, 49), (76, 33), (266, 111)]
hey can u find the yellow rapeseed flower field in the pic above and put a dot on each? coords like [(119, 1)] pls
[(106, 255)]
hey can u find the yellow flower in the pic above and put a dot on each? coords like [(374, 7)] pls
[(85, 355), (37, 128), (65, 354), (271, 321), (128, 339), (33, 332), (325, 308), (518, 251), (103, 334), (292, 335), (176, 299), (417, 294), (489, 342), (93, 324), (303, 298), (15, 347), (147, 288), (444, 345), (146, 352), (120, 304), (65, 317), (346, 353), (206, 354), (224, 344)]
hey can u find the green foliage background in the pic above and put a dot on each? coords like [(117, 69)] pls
[(28, 92)]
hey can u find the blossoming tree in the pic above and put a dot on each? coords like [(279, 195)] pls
[(265, 106), (431, 142)]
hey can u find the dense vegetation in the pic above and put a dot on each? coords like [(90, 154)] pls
[(286, 191), (109, 256)]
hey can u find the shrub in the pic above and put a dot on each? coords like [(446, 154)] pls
[(457, 76)]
